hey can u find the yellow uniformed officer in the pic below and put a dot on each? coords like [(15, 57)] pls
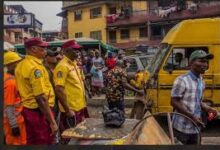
[(37, 94), (70, 87)]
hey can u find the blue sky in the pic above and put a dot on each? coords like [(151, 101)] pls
[(44, 11)]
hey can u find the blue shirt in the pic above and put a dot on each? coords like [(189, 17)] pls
[(189, 88)]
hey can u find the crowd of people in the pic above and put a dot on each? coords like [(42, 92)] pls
[(45, 91)]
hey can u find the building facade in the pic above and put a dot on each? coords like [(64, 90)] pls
[(129, 24), (16, 35), (164, 14), (91, 18), (51, 35)]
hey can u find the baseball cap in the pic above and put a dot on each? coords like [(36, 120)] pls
[(71, 44), (200, 54), (34, 42)]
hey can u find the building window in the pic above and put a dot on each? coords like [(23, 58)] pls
[(143, 32), (95, 12), (17, 37), (125, 34), (78, 15), (112, 10), (112, 36), (164, 3), (96, 35), (25, 29), (157, 32), (78, 35)]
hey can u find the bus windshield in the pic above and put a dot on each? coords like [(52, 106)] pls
[(157, 59)]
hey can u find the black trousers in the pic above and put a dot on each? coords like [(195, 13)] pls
[(186, 139)]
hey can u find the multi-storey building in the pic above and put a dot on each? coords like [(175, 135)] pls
[(164, 14), (51, 35), (128, 24), (91, 18), (16, 35)]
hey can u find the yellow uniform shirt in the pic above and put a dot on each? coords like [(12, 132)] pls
[(33, 80), (67, 74)]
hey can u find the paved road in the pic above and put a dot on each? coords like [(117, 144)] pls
[(210, 135)]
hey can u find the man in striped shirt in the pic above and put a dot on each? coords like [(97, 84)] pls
[(186, 98)]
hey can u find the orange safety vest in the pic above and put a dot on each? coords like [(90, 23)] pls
[(12, 98)]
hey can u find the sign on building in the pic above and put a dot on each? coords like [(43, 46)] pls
[(38, 25), (24, 20)]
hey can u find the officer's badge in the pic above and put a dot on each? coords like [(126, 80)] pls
[(37, 73), (59, 74)]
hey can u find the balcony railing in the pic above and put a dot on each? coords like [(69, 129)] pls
[(156, 37), (111, 18)]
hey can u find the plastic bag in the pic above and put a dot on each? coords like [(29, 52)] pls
[(113, 117)]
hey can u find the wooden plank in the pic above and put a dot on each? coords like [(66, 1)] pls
[(93, 128), (148, 132)]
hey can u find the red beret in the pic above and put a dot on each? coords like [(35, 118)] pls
[(71, 44), (34, 42)]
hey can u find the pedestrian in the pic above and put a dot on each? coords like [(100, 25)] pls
[(14, 126), (88, 75), (139, 82), (51, 59), (110, 61), (60, 53), (97, 74), (37, 94), (89, 64), (70, 88), (81, 64), (50, 63), (186, 98), (120, 58), (116, 83)]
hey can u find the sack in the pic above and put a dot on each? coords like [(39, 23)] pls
[(113, 117)]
